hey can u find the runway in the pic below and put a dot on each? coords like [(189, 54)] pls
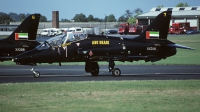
[(20, 74)]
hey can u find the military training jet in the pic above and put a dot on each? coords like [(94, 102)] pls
[(152, 45), (21, 40)]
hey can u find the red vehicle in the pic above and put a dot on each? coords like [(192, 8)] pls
[(121, 29), (179, 28), (133, 29)]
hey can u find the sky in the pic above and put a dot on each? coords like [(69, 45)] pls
[(98, 8)]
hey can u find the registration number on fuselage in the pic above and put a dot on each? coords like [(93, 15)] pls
[(19, 49), (100, 42), (151, 48)]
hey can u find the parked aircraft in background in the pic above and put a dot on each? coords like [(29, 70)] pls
[(152, 45), (21, 40)]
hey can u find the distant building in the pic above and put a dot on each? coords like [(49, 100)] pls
[(55, 19), (179, 14)]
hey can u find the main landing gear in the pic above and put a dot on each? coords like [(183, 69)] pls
[(36, 74), (115, 71), (93, 68)]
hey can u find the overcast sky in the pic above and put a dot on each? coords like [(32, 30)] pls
[(98, 8)]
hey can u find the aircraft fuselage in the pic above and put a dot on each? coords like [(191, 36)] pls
[(102, 48)]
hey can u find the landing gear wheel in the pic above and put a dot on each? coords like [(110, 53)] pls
[(92, 67), (36, 74), (95, 72), (116, 72)]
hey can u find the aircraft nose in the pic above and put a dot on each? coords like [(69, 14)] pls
[(16, 59), (21, 58), (22, 61)]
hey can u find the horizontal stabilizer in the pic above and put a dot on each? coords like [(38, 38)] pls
[(180, 46)]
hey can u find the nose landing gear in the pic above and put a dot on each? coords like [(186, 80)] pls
[(36, 74)]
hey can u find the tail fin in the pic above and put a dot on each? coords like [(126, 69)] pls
[(27, 30), (158, 29)]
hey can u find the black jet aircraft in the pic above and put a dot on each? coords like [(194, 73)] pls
[(152, 45), (21, 40)]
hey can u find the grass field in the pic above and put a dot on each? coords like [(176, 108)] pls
[(100, 96), (183, 56)]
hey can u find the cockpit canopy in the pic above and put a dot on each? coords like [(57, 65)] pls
[(58, 41), (74, 36)]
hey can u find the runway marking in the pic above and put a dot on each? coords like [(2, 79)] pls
[(63, 69), (165, 74), (4, 76), (44, 69)]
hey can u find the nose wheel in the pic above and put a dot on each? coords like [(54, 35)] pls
[(36, 74)]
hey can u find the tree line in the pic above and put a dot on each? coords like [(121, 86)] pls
[(14, 17), (128, 16)]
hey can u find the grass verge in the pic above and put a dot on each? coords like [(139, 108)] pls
[(153, 96)]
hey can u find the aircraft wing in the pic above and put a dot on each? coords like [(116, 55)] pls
[(151, 58), (180, 46)]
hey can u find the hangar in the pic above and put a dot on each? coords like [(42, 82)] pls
[(179, 14)]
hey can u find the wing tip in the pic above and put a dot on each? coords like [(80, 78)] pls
[(180, 46)]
